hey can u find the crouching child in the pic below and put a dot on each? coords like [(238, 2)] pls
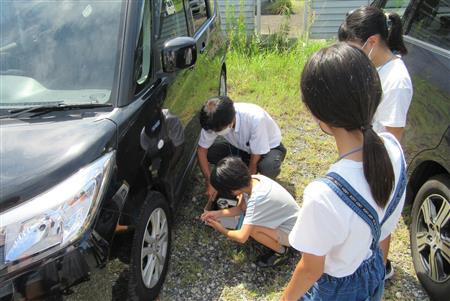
[(270, 211)]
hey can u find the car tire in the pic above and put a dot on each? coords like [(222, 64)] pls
[(152, 236), (430, 236), (223, 91)]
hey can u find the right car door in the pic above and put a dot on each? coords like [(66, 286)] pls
[(188, 89)]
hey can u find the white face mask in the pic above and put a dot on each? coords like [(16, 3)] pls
[(370, 51), (223, 132)]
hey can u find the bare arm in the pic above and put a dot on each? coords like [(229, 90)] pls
[(397, 132), (253, 164), (215, 214), (202, 154), (240, 235), (384, 246), (307, 272)]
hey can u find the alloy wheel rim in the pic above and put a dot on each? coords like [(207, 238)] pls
[(433, 237), (154, 248)]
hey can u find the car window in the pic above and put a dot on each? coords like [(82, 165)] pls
[(59, 52), (172, 21), (431, 23), (143, 52), (396, 6), (199, 12)]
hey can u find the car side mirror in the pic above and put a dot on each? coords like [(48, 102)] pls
[(178, 53)]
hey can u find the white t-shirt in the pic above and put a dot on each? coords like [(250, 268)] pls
[(327, 226), (255, 131), (397, 94)]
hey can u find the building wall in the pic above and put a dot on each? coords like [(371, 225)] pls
[(328, 15), (231, 10)]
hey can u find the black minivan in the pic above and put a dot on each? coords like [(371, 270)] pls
[(427, 138), (98, 103)]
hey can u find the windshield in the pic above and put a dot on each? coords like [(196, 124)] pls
[(58, 52)]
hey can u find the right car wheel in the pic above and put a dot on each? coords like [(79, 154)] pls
[(430, 236), (150, 249)]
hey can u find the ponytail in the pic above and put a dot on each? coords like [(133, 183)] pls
[(367, 21), (395, 34), (377, 167), (341, 87)]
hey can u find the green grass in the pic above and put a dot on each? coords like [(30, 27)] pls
[(271, 79), (267, 72)]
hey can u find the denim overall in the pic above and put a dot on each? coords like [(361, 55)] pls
[(367, 282)]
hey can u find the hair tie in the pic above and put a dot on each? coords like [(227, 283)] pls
[(388, 22), (366, 127)]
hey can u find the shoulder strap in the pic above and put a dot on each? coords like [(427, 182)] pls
[(401, 186), (356, 202)]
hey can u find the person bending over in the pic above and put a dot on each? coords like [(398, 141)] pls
[(246, 130), (270, 210)]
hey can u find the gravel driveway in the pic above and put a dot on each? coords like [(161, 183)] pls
[(206, 266)]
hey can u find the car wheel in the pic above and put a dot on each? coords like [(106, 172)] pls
[(430, 236), (223, 84), (150, 249)]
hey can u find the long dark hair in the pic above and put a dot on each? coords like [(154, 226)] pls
[(367, 21), (341, 87)]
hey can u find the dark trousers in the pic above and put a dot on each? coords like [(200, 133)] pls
[(269, 165)]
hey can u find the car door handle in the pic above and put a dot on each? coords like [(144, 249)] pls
[(202, 50)]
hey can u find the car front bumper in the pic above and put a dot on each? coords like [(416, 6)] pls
[(54, 275)]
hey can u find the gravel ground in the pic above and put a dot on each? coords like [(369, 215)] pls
[(206, 266)]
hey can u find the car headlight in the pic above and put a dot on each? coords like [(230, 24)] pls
[(55, 218)]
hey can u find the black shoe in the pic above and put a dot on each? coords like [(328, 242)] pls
[(272, 258), (389, 270)]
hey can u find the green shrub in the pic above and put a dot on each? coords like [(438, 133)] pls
[(282, 7)]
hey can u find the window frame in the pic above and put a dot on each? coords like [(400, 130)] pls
[(141, 87)]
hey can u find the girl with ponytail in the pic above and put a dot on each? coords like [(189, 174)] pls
[(348, 213), (380, 36)]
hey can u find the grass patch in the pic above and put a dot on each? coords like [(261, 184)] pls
[(271, 79)]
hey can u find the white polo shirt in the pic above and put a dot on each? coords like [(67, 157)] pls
[(255, 131), (397, 94)]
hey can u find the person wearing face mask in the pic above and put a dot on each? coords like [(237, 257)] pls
[(380, 36), (245, 130)]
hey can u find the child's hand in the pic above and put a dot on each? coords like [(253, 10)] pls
[(210, 215), (216, 225)]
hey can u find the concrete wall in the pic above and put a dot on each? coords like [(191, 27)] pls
[(328, 15)]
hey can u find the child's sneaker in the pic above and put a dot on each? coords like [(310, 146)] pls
[(272, 258), (389, 270)]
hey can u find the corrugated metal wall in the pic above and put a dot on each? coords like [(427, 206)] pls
[(230, 10), (328, 15)]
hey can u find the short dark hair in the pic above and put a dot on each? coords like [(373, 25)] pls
[(340, 86), (230, 174), (367, 21), (217, 113)]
